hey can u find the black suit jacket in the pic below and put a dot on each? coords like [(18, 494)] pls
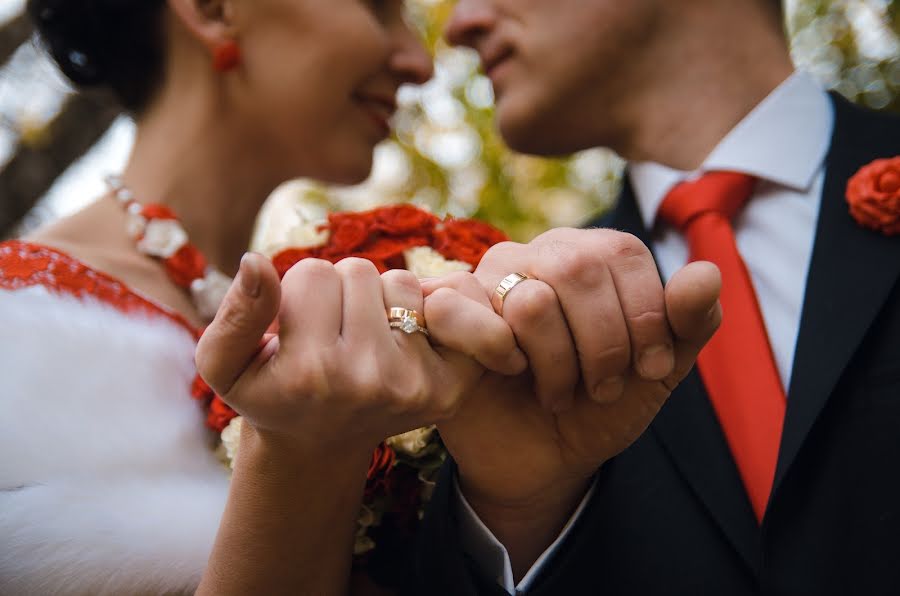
[(670, 516)]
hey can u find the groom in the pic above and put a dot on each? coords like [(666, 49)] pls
[(773, 469)]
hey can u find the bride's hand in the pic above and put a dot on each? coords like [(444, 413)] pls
[(336, 375)]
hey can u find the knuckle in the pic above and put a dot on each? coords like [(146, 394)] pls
[(626, 246), (612, 358), (408, 392), (576, 265), (440, 304), (531, 302), (462, 280), (307, 271), (556, 235), (232, 320), (648, 319), (356, 268), (402, 280), (501, 250)]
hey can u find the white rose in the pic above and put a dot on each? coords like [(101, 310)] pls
[(413, 442), (424, 261), (231, 439), (162, 238), (308, 235)]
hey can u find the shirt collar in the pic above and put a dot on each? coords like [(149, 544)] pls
[(784, 140)]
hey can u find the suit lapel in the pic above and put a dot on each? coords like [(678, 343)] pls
[(851, 275), (689, 431)]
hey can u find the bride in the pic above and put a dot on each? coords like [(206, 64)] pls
[(108, 484)]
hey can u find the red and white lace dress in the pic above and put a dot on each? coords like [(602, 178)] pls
[(108, 480)]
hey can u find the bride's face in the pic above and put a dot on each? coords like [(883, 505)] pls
[(321, 78), (558, 66)]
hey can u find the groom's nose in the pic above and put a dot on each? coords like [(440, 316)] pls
[(471, 20)]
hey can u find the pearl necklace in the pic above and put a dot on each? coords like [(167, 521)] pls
[(157, 233)]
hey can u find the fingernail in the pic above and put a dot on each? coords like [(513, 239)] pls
[(248, 276), (656, 362), (609, 390)]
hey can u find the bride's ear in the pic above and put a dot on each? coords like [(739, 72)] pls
[(211, 22)]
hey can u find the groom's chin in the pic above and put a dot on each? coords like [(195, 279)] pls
[(536, 136)]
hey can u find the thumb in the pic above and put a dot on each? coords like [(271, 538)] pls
[(234, 337), (694, 312)]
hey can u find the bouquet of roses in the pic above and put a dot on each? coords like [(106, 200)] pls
[(403, 468)]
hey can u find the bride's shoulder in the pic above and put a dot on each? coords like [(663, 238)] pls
[(56, 289)]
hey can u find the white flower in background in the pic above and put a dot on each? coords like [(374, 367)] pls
[(412, 443), (308, 235), (162, 238), (231, 439), (209, 292), (424, 261)]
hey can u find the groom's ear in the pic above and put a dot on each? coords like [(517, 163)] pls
[(211, 22)]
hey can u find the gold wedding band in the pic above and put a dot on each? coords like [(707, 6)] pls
[(406, 320), (505, 287)]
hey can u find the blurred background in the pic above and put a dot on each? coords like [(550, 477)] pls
[(56, 146)]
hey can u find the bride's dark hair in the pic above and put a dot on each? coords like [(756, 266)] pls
[(118, 44)]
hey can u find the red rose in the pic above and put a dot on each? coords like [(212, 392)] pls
[(466, 239), (219, 414), (874, 196), (286, 259), (348, 233), (158, 212), (186, 265), (386, 247), (404, 219), (200, 390), (379, 471)]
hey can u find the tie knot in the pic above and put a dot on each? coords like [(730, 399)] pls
[(722, 193)]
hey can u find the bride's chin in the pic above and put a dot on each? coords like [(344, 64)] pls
[(347, 174)]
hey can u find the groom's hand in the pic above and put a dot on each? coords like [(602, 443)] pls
[(524, 467), (594, 313)]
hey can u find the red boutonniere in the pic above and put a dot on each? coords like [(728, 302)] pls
[(874, 196)]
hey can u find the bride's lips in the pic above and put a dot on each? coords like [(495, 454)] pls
[(379, 108), (493, 60)]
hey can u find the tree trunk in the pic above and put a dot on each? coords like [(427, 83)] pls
[(13, 33), (33, 169)]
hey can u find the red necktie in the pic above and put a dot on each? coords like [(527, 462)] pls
[(737, 365)]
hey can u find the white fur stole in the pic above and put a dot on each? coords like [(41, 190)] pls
[(108, 484)]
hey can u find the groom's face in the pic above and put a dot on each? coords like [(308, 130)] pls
[(561, 69)]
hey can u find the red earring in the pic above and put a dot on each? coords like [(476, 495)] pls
[(226, 56)]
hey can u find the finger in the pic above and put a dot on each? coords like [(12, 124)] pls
[(463, 325), (694, 312), (594, 314), (363, 317), (234, 337), (310, 314), (401, 289), (642, 300), (533, 312), (465, 283)]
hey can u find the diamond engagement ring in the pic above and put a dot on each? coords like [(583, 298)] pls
[(406, 320), (505, 287)]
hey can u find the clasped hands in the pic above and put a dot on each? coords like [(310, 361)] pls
[(529, 403)]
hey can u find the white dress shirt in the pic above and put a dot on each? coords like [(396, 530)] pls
[(783, 142)]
